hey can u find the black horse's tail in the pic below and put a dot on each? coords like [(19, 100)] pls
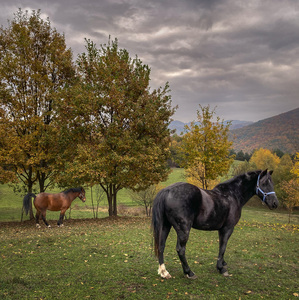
[(26, 202), (158, 217)]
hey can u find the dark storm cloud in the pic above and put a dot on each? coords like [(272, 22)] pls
[(241, 56)]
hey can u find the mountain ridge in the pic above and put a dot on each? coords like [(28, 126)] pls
[(180, 126), (278, 132)]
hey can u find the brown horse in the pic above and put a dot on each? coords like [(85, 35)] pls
[(54, 202)]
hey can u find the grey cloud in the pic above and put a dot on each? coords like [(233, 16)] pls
[(241, 56)]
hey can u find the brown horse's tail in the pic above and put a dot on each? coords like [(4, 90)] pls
[(158, 218), (26, 202)]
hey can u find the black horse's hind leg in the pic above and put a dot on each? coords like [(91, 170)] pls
[(224, 235), (182, 238), (162, 241)]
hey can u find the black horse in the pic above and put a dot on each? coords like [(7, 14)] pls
[(183, 205)]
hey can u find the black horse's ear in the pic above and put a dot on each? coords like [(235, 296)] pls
[(264, 173), (271, 172)]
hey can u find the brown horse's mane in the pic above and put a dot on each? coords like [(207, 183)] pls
[(73, 190)]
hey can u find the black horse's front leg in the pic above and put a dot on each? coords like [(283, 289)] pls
[(224, 235)]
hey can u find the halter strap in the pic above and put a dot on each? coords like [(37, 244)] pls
[(258, 189)]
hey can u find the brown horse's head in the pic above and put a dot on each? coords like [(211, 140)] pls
[(82, 195)]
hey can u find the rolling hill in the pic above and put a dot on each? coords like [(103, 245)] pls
[(278, 132)]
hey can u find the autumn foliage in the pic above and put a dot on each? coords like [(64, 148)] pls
[(98, 122), (35, 65), (205, 149)]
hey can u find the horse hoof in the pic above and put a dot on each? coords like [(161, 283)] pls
[(163, 272), (37, 226), (165, 275), (49, 226), (225, 274), (191, 277)]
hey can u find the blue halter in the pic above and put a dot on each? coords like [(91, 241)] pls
[(258, 189)]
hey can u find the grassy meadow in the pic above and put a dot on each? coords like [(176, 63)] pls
[(112, 258)]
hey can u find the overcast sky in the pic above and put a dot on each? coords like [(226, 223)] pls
[(239, 55)]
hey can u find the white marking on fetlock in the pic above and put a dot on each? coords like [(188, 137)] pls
[(37, 225), (163, 272), (49, 226)]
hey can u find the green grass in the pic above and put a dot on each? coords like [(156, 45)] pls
[(11, 203), (113, 259)]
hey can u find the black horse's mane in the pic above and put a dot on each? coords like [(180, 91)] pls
[(72, 190), (235, 180)]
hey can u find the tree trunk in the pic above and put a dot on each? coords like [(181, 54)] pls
[(41, 181), (114, 201), (93, 210), (111, 192), (29, 188)]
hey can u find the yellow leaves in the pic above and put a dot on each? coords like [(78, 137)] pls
[(295, 169), (291, 189), (205, 148), (265, 159)]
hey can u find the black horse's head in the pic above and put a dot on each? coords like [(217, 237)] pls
[(265, 189)]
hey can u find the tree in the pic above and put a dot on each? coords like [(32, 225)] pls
[(291, 188), (146, 197), (125, 125), (206, 147), (242, 167), (34, 67), (175, 158), (265, 159), (240, 156), (295, 169), (283, 170)]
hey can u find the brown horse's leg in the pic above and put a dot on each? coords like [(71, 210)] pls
[(60, 221), (37, 216), (44, 219), (62, 213)]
